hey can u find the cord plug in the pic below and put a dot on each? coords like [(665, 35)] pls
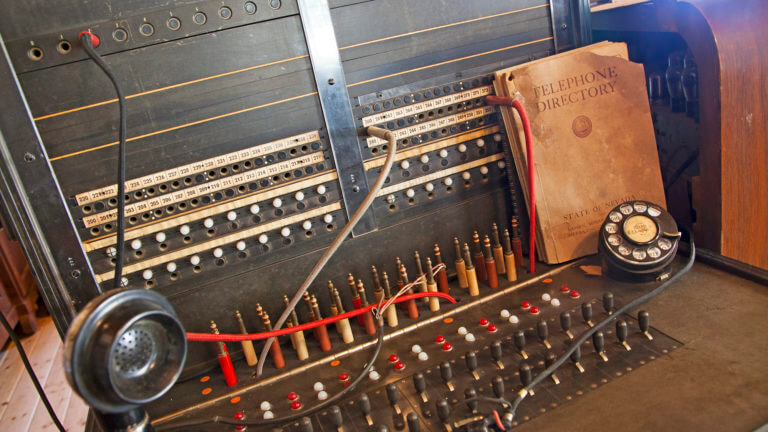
[(87, 35)]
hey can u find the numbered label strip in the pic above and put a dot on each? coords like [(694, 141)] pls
[(210, 211), (426, 105), (221, 241), (203, 189), (196, 167), (434, 124)]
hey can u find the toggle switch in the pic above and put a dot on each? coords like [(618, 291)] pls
[(598, 341), (471, 393), (549, 360), (543, 331), (497, 384), (520, 343), (471, 360), (576, 359), (413, 422), (496, 354), (622, 331), (444, 412), (565, 324), (305, 425), (526, 376), (446, 373), (420, 384), (393, 397), (586, 313), (608, 303), (364, 403), (644, 321), (337, 419)]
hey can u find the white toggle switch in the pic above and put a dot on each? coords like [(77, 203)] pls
[(410, 193), (299, 196), (218, 252), (254, 209), (147, 274), (462, 148), (285, 232), (194, 260), (231, 216), (405, 164), (160, 237), (184, 230), (447, 181), (240, 245), (277, 202), (263, 239), (208, 223), (429, 187), (321, 189), (136, 244), (484, 170), (424, 159), (171, 267), (480, 142), (328, 218), (443, 153), (466, 175), (307, 225)]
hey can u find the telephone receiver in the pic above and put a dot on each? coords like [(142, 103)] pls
[(638, 242)]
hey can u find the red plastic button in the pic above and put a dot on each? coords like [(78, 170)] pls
[(439, 339), (526, 304), (484, 322), (534, 310), (292, 396), (393, 358), (399, 365), (447, 346), (295, 405), (346, 383), (343, 376), (239, 415), (492, 328), (564, 288), (575, 294)]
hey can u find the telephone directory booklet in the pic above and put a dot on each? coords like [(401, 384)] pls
[(593, 142)]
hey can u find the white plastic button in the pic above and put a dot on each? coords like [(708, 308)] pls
[(497, 137), (429, 187), (147, 274), (285, 232), (111, 251), (447, 181), (504, 314), (299, 196), (423, 356), (263, 239), (254, 209), (484, 170), (277, 202), (160, 237), (462, 331), (268, 415), (171, 267), (410, 193), (466, 175), (194, 260), (208, 223), (136, 244), (307, 225), (514, 319), (322, 395), (405, 164), (218, 252), (480, 142), (416, 349), (231, 216), (546, 297), (240, 245), (501, 164), (328, 218), (462, 148), (184, 230), (374, 376), (469, 337), (318, 386), (424, 159), (321, 189), (265, 406), (555, 302), (443, 153)]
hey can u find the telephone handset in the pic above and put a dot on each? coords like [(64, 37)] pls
[(638, 241)]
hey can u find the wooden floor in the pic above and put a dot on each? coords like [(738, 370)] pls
[(20, 407)]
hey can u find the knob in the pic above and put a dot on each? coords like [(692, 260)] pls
[(336, 418), (526, 374), (419, 383), (392, 394), (471, 393), (608, 302), (364, 403), (471, 359), (586, 313), (305, 425), (497, 383), (443, 410), (413, 422), (644, 321), (445, 371)]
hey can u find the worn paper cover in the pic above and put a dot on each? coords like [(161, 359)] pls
[(594, 145)]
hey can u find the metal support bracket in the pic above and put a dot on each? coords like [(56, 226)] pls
[(337, 111)]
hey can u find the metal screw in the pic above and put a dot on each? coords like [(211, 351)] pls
[(29, 157), (75, 273), (331, 81), (563, 26)]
